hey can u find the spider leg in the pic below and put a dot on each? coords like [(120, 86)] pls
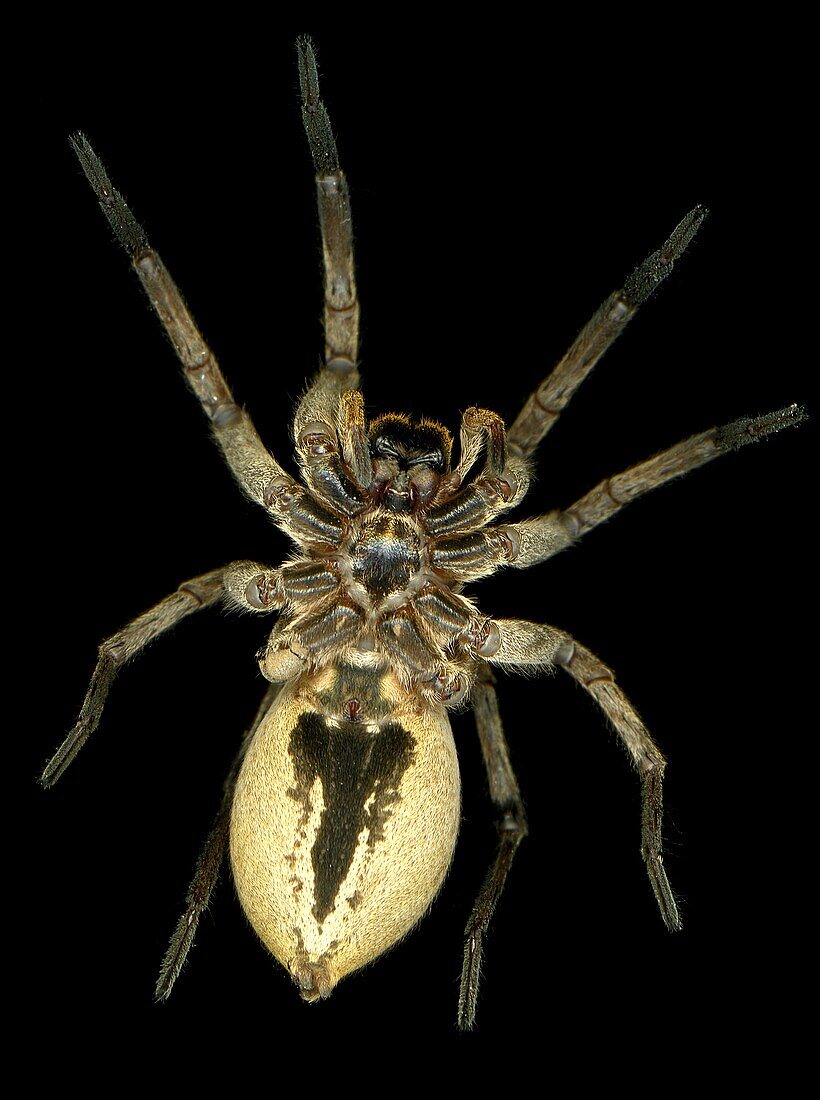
[(207, 867), (544, 406), (525, 644), (341, 304), (538, 539), (254, 468), (263, 479), (480, 553), (191, 596), (320, 410), (331, 411), (511, 824), (593, 675)]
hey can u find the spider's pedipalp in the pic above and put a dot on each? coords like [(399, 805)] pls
[(479, 428), (501, 484), (543, 407), (352, 431)]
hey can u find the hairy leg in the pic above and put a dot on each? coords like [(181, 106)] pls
[(511, 824), (296, 510), (207, 868), (341, 309), (528, 645), (545, 405), (520, 545), (480, 428), (594, 676), (254, 468), (538, 539), (341, 303), (191, 596)]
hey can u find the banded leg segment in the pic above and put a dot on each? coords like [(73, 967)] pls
[(538, 539), (252, 465), (341, 312), (511, 824), (207, 868), (191, 596), (593, 675), (525, 644), (544, 406)]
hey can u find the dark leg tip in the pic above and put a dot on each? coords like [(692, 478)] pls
[(752, 429)]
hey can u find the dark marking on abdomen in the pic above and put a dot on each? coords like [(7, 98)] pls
[(354, 766)]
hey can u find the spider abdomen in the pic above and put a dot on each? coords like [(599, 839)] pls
[(342, 830)]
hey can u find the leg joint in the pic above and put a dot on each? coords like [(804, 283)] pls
[(340, 365), (197, 591), (604, 676), (512, 822), (112, 652)]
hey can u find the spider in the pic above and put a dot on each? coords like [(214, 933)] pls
[(342, 807)]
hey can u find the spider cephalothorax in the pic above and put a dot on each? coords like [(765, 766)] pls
[(343, 802), (384, 554)]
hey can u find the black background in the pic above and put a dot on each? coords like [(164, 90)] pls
[(505, 178)]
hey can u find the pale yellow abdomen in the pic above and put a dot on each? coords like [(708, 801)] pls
[(342, 833)]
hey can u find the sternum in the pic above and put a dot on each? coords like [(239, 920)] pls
[(383, 560)]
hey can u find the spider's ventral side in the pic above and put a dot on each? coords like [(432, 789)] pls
[(342, 808)]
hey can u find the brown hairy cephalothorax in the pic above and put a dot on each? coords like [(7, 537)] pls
[(342, 808)]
